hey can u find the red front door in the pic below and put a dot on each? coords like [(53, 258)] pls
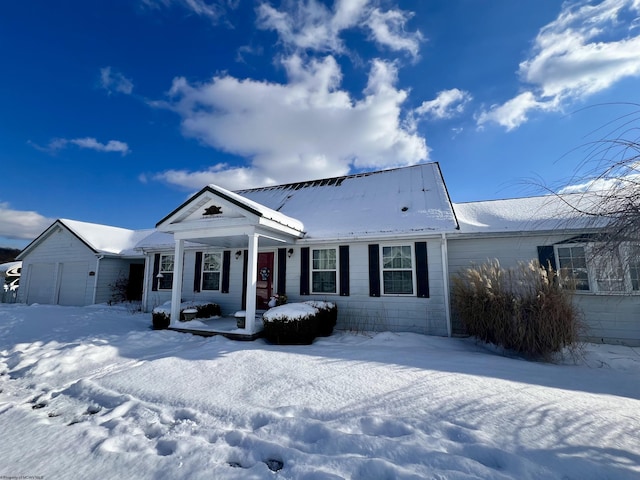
[(264, 287)]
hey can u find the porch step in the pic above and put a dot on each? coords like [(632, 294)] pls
[(208, 333)]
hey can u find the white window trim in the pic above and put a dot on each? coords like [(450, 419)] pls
[(160, 271), (592, 275), (414, 282), (203, 271), (336, 270)]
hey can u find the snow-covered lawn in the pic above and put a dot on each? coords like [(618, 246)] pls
[(94, 393)]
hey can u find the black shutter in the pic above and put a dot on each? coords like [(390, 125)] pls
[(422, 270), (156, 269), (344, 270), (197, 274), (245, 264), (374, 270), (546, 256), (226, 266), (281, 288), (304, 271)]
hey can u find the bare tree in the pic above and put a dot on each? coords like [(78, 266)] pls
[(609, 181)]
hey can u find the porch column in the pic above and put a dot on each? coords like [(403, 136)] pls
[(176, 287), (252, 280)]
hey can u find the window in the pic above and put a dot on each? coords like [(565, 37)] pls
[(165, 273), (587, 269), (211, 271), (609, 274), (324, 264), (572, 264), (397, 270)]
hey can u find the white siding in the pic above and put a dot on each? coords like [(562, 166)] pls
[(58, 248), (109, 271), (609, 318), (358, 311)]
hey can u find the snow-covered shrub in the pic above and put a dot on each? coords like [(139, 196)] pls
[(523, 309), (208, 310), (327, 316), (291, 324), (160, 320), (161, 316)]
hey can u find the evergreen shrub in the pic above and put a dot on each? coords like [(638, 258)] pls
[(291, 324), (160, 320), (327, 316)]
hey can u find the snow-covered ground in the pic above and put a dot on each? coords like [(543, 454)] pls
[(94, 393)]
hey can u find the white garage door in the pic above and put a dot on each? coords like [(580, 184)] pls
[(41, 283), (73, 283)]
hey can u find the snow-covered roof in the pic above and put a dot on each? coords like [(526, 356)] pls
[(156, 239), (541, 213), (102, 239), (263, 210), (403, 200)]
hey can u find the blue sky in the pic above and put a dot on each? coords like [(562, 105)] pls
[(114, 111)]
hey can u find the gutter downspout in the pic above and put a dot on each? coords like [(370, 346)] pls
[(95, 281), (445, 277)]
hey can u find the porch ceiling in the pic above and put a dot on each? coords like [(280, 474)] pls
[(235, 241)]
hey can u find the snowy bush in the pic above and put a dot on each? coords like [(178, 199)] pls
[(327, 316), (291, 324), (160, 320), (522, 309), (161, 316)]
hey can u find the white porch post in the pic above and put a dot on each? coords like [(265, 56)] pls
[(252, 280), (176, 287)]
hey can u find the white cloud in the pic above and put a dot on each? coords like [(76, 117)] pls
[(306, 128), (212, 10), (21, 224), (387, 29), (514, 112), (312, 25), (90, 143), (447, 104), (586, 49), (93, 144), (114, 81), (236, 178)]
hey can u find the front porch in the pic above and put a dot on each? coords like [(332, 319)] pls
[(219, 219), (225, 326)]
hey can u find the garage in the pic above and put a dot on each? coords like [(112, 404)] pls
[(73, 283), (76, 263), (41, 283)]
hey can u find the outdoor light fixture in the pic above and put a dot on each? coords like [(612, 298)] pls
[(290, 252), (159, 277), (238, 253)]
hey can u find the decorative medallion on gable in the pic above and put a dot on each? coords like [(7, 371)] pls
[(212, 210)]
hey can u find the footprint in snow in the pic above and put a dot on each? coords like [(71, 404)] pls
[(93, 409), (164, 448), (274, 464)]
